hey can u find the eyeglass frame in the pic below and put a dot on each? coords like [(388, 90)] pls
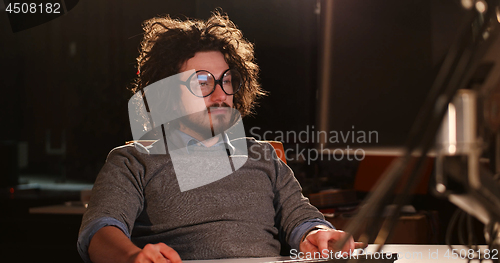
[(216, 81)]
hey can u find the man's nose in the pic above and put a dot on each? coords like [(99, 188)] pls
[(218, 94)]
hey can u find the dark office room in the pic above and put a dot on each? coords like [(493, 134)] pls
[(384, 114)]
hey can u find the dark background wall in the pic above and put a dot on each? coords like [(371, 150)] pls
[(64, 100), (384, 58), (65, 82)]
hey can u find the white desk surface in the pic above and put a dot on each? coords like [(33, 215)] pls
[(408, 254)]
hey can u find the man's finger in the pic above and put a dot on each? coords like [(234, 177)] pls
[(338, 235), (322, 237), (306, 246), (349, 245), (360, 245), (152, 253), (169, 253)]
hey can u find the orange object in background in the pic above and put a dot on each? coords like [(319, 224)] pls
[(278, 147), (372, 167)]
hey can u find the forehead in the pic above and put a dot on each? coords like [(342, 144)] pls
[(212, 61)]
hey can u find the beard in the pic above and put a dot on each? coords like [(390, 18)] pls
[(208, 123)]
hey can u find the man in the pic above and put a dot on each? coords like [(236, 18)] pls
[(196, 193)]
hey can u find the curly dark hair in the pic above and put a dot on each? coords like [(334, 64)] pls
[(168, 43)]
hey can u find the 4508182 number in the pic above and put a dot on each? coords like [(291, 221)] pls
[(33, 8), (471, 254)]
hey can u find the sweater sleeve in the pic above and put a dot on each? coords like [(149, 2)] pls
[(292, 208), (89, 231), (117, 194)]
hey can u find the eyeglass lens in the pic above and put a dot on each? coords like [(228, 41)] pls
[(206, 82)]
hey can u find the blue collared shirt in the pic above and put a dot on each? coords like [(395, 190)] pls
[(183, 140)]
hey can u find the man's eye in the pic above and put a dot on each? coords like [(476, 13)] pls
[(203, 83)]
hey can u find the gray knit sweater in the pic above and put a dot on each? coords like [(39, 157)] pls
[(245, 214)]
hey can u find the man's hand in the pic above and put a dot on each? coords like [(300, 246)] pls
[(155, 253), (322, 240), (110, 245)]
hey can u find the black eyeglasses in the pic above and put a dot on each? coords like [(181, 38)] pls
[(202, 83)]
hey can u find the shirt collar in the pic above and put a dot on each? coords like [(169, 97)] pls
[(183, 140)]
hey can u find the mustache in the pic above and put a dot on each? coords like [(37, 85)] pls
[(218, 105)]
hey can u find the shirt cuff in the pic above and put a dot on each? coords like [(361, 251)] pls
[(300, 230), (86, 235)]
